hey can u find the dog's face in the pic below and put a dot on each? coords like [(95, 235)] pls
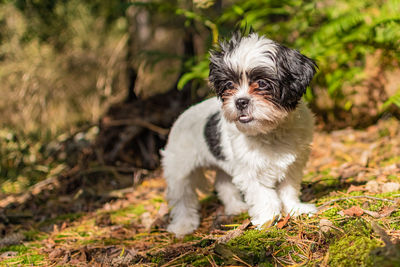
[(259, 81)]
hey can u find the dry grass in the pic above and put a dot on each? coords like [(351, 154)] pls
[(50, 90)]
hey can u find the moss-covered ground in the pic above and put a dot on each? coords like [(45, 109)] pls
[(352, 177)]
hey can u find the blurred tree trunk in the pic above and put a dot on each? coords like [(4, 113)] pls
[(133, 132)]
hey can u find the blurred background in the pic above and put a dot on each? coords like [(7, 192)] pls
[(95, 85)]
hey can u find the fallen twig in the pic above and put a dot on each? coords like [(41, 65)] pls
[(139, 122), (353, 197)]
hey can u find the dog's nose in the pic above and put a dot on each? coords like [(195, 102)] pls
[(242, 103)]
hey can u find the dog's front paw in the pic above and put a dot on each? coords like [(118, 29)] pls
[(301, 208), (183, 227), (235, 207), (266, 218), (266, 223)]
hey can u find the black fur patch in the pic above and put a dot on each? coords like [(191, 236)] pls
[(212, 135), (295, 72)]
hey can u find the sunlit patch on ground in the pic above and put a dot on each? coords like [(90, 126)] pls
[(353, 177)]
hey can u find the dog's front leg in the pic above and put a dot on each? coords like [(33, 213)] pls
[(262, 199)]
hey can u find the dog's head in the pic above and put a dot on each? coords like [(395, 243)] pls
[(259, 81)]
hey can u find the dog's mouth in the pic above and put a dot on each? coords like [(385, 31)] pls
[(245, 118)]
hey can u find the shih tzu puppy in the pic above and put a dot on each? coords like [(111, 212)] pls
[(256, 134)]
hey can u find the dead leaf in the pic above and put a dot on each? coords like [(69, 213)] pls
[(372, 187), (354, 188), (83, 255), (372, 213), (365, 157), (11, 239), (282, 222), (146, 220), (8, 254), (161, 220), (325, 225), (353, 211), (56, 253), (387, 211), (390, 187), (104, 220)]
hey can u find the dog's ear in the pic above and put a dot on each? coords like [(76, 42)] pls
[(295, 72), (216, 59)]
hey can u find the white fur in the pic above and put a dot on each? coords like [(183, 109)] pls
[(250, 53), (266, 168)]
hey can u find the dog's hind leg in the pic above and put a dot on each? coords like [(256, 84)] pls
[(182, 197), (229, 194)]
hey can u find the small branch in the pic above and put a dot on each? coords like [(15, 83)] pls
[(139, 122), (236, 258), (353, 197)]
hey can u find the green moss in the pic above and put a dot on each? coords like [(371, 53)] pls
[(16, 248), (256, 246), (157, 200), (69, 217), (26, 255), (32, 235), (376, 205), (189, 238), (331, 213), (28, 259), (90, 241), (111, 241), (158, 259), (256, 240), (333, 182), (392, 177), (352, 250), (356, 226), (83, 234), (384, 132), (395, 222), (355, 246), (126, 214), (203, 261), (196, 259), (241, 217), (209, 199)]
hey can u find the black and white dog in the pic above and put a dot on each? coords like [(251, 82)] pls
[(256, 133)]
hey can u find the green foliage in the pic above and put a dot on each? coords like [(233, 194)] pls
[(394, 99), (338, 35), (23, 162)]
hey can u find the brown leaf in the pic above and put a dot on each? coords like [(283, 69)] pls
[(56, 253), (161, 218), (372, 187), (387, 211), (83, 256), (354, 188), (282, 222), (372, 213), (325, 225), (390, 187), (353, 211), (8, 254)]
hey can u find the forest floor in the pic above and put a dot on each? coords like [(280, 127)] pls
[(353, 176)]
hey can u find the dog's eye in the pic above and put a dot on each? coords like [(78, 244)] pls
[(262, 84), (229, 85)]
